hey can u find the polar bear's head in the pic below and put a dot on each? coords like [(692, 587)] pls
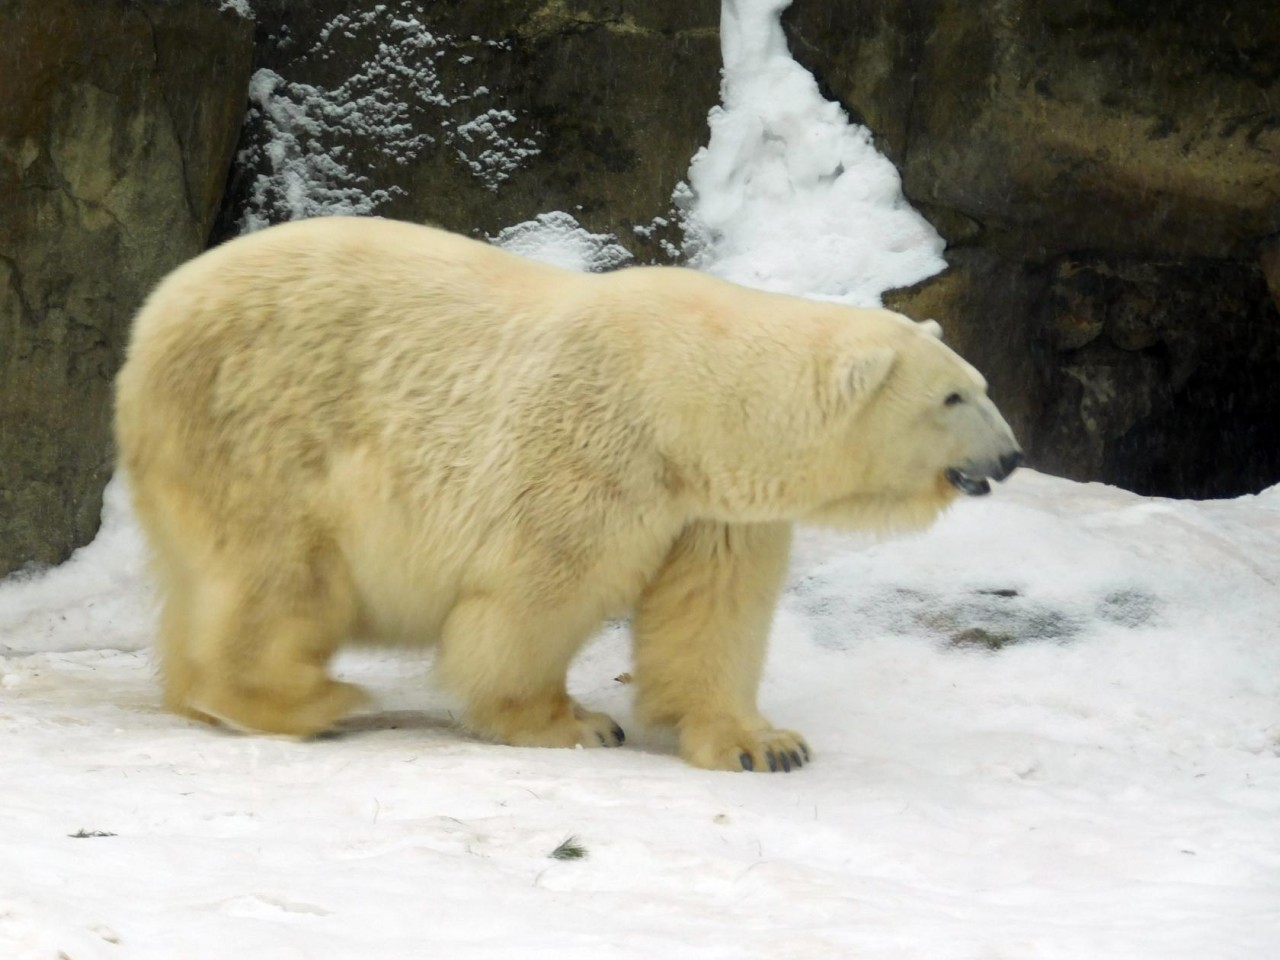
[(771, 407), (916, 430)]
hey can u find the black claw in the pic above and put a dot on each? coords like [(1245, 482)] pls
[(619, 735), (746, 761), (804, 749), (786, 762), (795, 759), (773, 761), (600, 737)]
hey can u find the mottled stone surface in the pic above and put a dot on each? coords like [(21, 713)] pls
[(1173, 387), (1269, 258), (1155, 376), (1106, 173), (116, 129), (490, 113), (1147, 130)]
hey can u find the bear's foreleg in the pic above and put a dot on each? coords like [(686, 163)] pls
[(700, 631), (510, 669)]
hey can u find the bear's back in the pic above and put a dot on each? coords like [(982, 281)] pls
[(457, 375)]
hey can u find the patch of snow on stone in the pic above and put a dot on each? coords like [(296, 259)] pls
[(240, 7), (558, 239), (311, 144)]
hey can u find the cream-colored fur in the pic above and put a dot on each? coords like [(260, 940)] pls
[(360, 429)]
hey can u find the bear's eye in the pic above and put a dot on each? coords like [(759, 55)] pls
[(953, 399)]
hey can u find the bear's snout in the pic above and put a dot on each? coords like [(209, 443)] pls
[(1008, 463), (972, 478)]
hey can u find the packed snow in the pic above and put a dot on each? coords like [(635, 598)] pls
[(558, 239), (241, 8), (1047, 728), (788, 195)]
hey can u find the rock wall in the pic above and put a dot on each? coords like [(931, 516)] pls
[(121, 119), (1105, 172), (477, 116), (116, 129), (1107, 175)]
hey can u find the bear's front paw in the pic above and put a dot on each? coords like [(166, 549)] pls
[(726, 746)]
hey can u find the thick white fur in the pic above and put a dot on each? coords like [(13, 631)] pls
[(361, 429)]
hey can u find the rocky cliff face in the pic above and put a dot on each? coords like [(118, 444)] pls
[(121, 118), (1107, 175), (116, 128), (477, 116)]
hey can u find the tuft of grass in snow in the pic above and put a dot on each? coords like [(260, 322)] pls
[(569, 849), (982, 639), (83, 834)]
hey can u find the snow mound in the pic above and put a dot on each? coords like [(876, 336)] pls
[(558, 239), (100, 598), (789, 196)]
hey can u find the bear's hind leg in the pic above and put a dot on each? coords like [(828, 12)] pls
[(170, 567), (178, 672), (699, 633), (510, 671), (261, 647)]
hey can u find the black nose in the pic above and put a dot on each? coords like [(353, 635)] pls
[(1009, 463)]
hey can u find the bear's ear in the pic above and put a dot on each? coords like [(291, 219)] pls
[(932, 328), (867, 372)]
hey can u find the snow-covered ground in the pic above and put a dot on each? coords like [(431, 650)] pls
[(1105, 784), (1047, 728)]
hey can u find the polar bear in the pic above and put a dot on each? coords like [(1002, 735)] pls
[(355, 429)]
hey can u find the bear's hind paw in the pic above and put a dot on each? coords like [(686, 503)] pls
[(266, 711), (572, 727), (599, 725)]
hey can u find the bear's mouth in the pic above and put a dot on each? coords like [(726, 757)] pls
[(974, 478), (967, 484)]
